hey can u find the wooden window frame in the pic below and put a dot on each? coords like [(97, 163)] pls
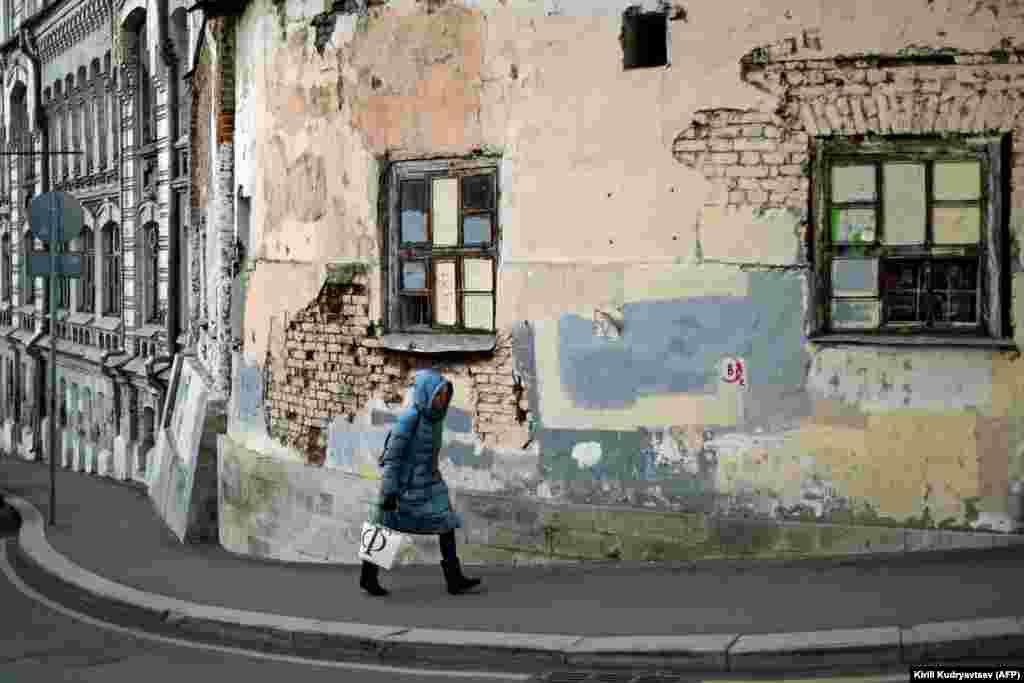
[(991, 253), (397, 252)]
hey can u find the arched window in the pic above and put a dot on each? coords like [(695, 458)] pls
[(87, 283), (63, 287), (101, 117), (81, 143), (63, 403), (8, 268), (179, 35), (147, 127), (151, 267), (20, 130), (27, 282), (111, 269)]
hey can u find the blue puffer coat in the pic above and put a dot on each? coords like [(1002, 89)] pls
[(410, 465)]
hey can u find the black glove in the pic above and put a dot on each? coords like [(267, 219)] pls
[(390, 503)]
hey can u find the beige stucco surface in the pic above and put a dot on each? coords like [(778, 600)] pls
[(597, 214)]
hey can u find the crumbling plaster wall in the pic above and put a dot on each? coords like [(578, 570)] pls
[(613, 203)]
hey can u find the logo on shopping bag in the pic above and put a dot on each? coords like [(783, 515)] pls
[(378, 539)]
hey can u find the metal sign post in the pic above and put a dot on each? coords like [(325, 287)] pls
[(55, 217)]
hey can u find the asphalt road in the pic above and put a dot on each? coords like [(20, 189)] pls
[(41, 643), (111, 530)]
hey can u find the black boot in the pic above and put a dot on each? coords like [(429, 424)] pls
[(457, 583), (368, 579)]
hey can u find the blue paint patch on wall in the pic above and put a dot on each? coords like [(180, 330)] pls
[(347, 445), (459, 421), (250, 394), (675, 346)]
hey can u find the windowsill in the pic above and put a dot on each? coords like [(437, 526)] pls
[(914, 340), (437, 343), (80, 318), (147, 331), (107, 324)]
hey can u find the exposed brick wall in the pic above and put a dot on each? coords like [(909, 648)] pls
[(199, 152), (760, 158), (335, 365), (751, 157)]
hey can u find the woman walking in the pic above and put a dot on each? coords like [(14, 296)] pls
[(413, 494)]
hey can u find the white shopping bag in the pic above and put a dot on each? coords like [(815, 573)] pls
[(380, 545)]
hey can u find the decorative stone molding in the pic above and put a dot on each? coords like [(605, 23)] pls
[(90, 16)]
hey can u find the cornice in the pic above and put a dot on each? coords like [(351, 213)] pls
[(89, 16)]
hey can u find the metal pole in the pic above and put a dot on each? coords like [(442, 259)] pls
[(57, 228)]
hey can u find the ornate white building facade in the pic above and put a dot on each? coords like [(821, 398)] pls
[(110, 81)]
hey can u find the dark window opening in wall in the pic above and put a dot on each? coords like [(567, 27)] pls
[(151, 268), (111, 269), (908, 238), (101, 125), (28, 282), (445, 238), (64, 293), (54, 142), (146, 87), (7, 267), (179, 38), (184, 255), (87, 283), (644, 39)]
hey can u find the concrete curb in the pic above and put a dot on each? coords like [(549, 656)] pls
[(732, 653)]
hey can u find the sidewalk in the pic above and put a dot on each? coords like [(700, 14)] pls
[(707, 616)]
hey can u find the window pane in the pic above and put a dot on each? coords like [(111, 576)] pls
[(444, 292), (414, 210), (904, 203), (477, 274), (853, 226), (859, 315), (414, 275), (476, 229), (955, 274), (446, 212), (961, 308), (478, 311), (855, 277), (901, 308), (958, 180), (957, 225), (900, 275), (477, 192), (853, 183)]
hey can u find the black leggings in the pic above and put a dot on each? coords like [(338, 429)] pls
[(447, 541)]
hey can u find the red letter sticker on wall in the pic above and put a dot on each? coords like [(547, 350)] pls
[(734, 371)]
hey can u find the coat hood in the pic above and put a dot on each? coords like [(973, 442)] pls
[(427, 384)]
